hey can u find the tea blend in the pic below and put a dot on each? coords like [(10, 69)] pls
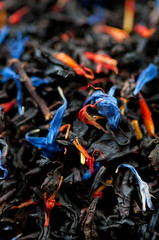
[(79, 128)]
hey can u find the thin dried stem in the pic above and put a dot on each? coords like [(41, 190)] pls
[(24, 79)]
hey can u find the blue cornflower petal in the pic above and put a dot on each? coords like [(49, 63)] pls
[(3, 33), (16, 46), (157, 5), (48, 144), (87, 175), (5, 172), (36, 141), (108, 107), (112, 91), (98, 16), (147, 75), (144, 189), (56, 121), (19, 95), (95, 18), (3, 169), (8, 74), (40, 142), (37, 81)]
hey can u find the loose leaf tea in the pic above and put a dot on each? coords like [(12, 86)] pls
[(79, 98)]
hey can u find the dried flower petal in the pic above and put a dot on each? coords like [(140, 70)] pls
[(8, 74), (68, 126), (98, 16), (103, 61), (147, 75), (2, 5), (3, 33), (50, 203), (146, 116), (25, 204), (71, 63), (112, 91), (37, 81), (118, 34), (16, 46), (87, 119), (48, 144), (144, 189), (57, 120), (157, 5), (100, 80), (137, 129), (99, 191), (17, 16), (129, 12), (8, 105), (89, 159), (98, 194), (2, 168), (88, 174), (144, 31), (108, 107)]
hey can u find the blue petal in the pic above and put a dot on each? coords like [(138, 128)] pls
[(40, 142), (157, 5), (16, 46), (3, 169), (98, 95), (5, 172), (149, 203), (8, 74), (87, 175), (3, 33), (19, 95), (56, 122), (98, 16), (50, 149), (37, 81), (147, 75), (132, 169), (112, 91), (48, 144), (108, 107), (144, 189)]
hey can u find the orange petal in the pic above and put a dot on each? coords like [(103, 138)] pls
[(144, 31)]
